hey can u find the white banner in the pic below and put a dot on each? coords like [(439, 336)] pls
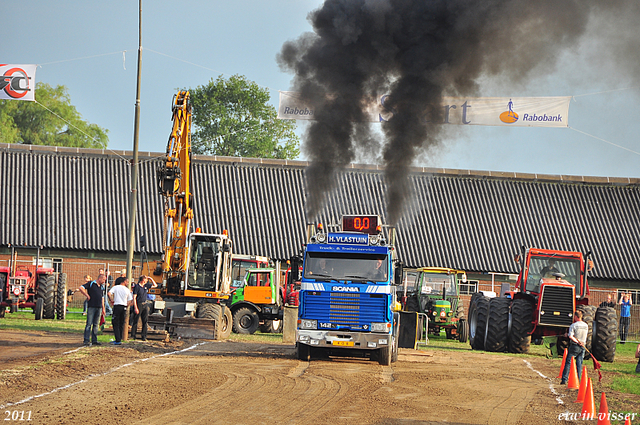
[(18, 82), (497, 111)]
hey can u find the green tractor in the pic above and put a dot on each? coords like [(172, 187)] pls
[(437, 295)]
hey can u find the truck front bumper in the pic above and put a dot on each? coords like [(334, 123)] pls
[(344, 340)]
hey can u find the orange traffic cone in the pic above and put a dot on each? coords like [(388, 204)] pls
[(589, 405), (583, 385), (628, 421), (564, 359), (603, 413), (573, 376)]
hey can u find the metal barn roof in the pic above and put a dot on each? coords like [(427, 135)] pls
[(77, 199)]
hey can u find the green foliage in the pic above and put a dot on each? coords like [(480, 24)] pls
[(232, 118), (45, 122)]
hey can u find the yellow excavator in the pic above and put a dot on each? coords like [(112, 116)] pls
[(192, 300)]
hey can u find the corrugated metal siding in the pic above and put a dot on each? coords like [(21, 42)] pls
[(80, 202)]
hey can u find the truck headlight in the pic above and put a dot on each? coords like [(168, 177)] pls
[(380, 327), (308, 324)]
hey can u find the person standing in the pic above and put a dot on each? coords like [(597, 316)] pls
[(578, 332), (92, 290), (140, 291), (608, 302), (121, 297), (625, 316), (105, 288)]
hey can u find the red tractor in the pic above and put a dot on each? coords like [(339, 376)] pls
[(551, 286), (39, 288)]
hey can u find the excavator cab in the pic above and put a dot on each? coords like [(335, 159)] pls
[(204, 263)]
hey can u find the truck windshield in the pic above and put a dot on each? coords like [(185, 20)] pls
[(355, 267), (545, 267), (433, 283)]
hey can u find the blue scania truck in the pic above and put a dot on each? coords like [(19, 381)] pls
[(347, 297)]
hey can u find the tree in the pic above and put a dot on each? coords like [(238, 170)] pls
[(51, 121), (232, 118)]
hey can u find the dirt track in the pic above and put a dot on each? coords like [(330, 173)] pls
[(252, 383)]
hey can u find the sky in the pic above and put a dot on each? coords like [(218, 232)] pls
[(91, 49)]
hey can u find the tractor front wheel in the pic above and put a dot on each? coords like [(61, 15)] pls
[(61, 297), (463, 330)]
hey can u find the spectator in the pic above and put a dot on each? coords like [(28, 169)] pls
[(625, 316), (608, 302), (121, 297), (638, 357), (105, 288), (578, 338), (140, 291), (95, 308)]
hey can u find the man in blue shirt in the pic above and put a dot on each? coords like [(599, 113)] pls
[(625, 316), (95, 309)]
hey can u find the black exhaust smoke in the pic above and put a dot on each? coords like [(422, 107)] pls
[(416, 52)]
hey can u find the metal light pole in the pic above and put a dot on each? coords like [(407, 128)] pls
[(134, 173)]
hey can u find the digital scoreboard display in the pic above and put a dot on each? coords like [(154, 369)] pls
[(361, 223)]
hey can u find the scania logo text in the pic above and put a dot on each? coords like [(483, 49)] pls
[(345, 289)]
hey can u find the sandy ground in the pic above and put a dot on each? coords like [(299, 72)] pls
[(49, 377)]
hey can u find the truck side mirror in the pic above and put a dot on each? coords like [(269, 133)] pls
[(399, 273)]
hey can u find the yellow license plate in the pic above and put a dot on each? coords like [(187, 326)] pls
[(343, 343)]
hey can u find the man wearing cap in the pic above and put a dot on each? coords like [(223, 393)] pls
[(578, 332)]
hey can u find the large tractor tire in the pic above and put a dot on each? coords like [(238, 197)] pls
[(521, 326), (39, 308), (605, 328), (478, 310), (245, 321), (271, 327), (498, 325), (61, 297), (412, 304), (212, 311), (463, 330), (46, 292), (588, 316)]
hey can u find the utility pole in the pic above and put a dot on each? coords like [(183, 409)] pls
[(134, 174)]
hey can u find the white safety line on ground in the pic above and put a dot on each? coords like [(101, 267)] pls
[(551, 387), (3, 406)]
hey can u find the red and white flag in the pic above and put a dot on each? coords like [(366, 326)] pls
[(18, 82)]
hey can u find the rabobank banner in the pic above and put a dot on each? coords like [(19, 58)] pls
[(496, 111), (18, 82)]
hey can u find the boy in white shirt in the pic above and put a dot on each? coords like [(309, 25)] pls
[(120, 297)]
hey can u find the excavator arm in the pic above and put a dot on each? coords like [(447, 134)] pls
[(174, 183)]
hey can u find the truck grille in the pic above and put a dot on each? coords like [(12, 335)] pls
[(557, 305), (349, 310)]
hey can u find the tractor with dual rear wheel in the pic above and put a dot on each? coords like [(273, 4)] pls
[(551, 286)]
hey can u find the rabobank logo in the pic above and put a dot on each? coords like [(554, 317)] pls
[(345, 289), (509, 116)]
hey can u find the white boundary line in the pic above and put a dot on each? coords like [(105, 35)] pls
[(551, 387), (3, 406)]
